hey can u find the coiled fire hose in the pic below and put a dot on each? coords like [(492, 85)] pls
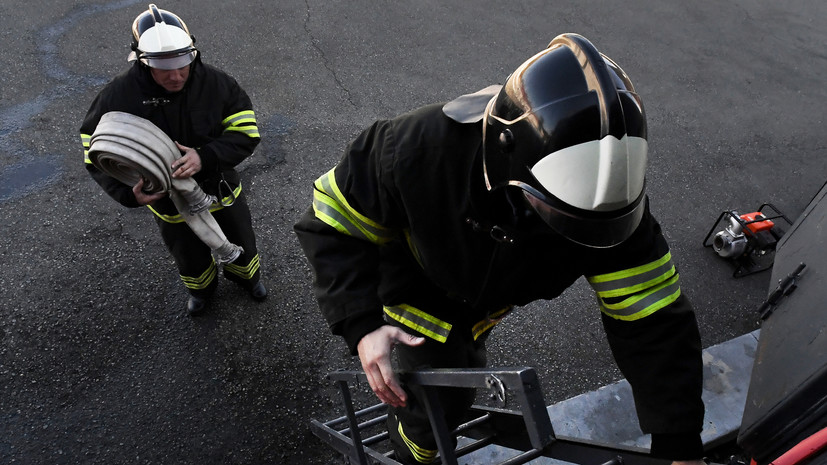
[(128, 148)]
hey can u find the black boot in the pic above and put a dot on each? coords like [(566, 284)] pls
[(196, 305), (258, 292)]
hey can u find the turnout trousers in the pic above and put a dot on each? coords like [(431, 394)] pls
[(195, 262), (409, 427)]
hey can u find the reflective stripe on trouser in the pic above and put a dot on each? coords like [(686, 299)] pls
[(407, 450), (194, 260), (415, 442)]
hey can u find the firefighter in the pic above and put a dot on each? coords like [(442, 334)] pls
[(211, 119), (437, 223)]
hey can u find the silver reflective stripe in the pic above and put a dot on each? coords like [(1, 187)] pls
[(420, 321)]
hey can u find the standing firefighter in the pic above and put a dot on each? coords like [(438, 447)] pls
[(211, 120), (435, 224)]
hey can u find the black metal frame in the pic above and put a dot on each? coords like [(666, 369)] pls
[(746, 262), (528, 431)]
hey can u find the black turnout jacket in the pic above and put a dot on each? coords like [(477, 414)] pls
[(212, 114), (404, 228)]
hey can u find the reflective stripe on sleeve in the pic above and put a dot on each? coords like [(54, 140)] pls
[(420, 321), (331, 207), (492, 320), (637, 292), (633, 280), (244, 122), (86, 139), (644, 303)]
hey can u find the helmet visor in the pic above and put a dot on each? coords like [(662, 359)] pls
[(168, 61), (592, 229)]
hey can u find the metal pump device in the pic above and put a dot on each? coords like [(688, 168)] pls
[(747, 239)]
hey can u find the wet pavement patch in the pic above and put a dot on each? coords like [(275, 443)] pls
[(21, 178)]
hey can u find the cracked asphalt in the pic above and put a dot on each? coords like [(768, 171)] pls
[(99, 363)]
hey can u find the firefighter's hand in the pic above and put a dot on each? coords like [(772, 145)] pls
[(375, 354), (142, 197), (188, 164), (688, 462)]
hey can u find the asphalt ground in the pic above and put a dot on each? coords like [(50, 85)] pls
[(99, 363)]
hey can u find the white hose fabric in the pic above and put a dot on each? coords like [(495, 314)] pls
[(128, 148)]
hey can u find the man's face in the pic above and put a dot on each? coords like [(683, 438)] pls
[(172, 80)]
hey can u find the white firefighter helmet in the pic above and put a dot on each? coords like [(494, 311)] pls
[(160, 39)]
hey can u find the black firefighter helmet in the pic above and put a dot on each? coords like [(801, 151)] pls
[(569, 130)]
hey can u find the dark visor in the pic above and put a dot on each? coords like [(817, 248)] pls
[(592, 229)]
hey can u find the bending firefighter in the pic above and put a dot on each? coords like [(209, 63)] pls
[(437, 223), (211, 120)]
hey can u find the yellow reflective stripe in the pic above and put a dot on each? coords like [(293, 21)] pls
[(627, 282), (490, 321), (617, 275), (421, 454), (327, 184), (412, 247), (243, 121), (86, 140), (331, 207), (644, 304), (420, 321), (246, 116), (177, 218), (245, 272), (326, 209), (251, 131), (201, 282)]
